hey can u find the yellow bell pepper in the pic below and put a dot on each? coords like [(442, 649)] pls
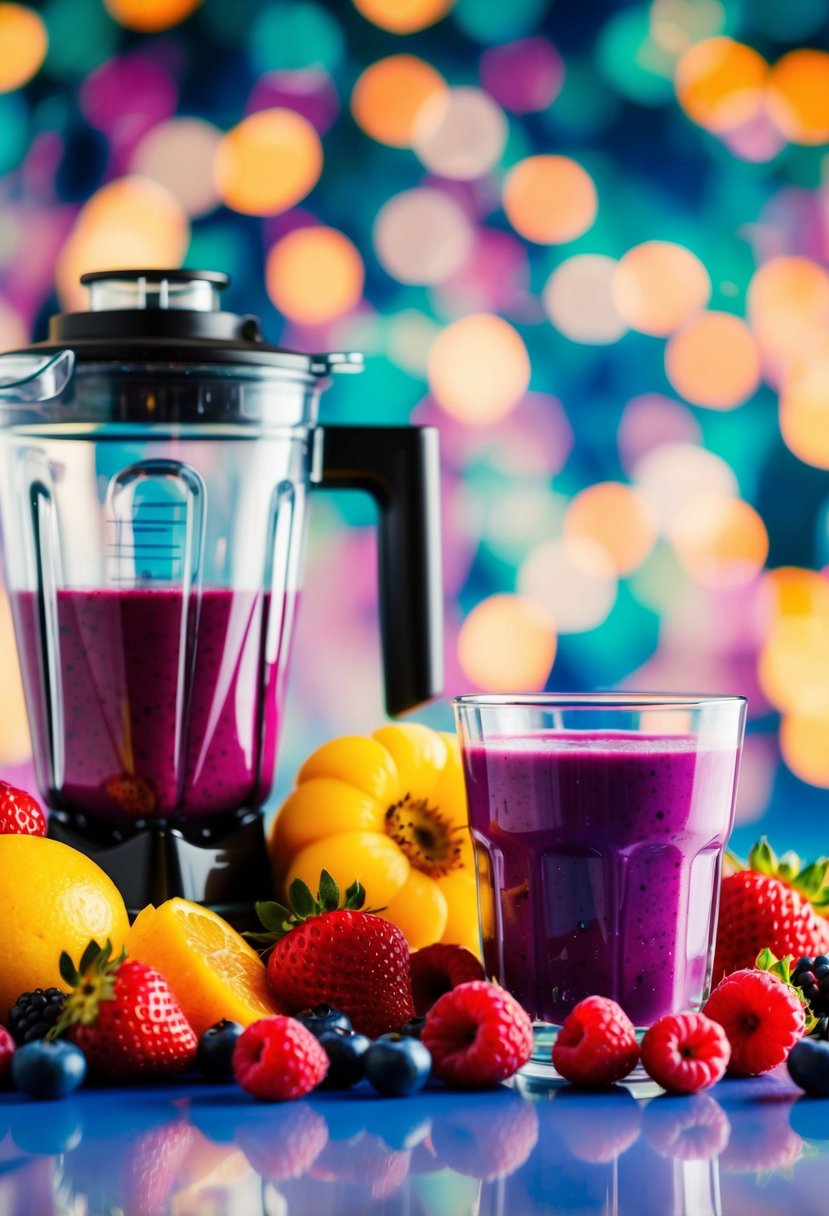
[(389, 810)]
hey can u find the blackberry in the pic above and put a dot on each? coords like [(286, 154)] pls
[(811, 975), (34, 1014)]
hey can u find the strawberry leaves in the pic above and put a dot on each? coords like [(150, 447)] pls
[(811, 881), (782, 968), (277, 920), (92, 981)]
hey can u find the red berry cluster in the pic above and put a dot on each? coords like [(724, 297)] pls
[(749, 1024)]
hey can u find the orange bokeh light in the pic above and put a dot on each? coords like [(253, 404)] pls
[(804, 413), (479, 369), (388, 95), (658, 286), (507, 644), (616, 517), (721, 541), (720, 83), (798, 96), (550, 199), (268, 162), (793, 667), (403, 16), (788, 310), (149, 16), (314, 275), (129, 223), (796, 591), (24, 43), (804, 742), (713, 361)]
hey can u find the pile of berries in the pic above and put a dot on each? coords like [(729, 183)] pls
[(750, 1024), (475, 1034)]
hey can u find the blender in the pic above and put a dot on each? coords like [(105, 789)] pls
[(156, 456)]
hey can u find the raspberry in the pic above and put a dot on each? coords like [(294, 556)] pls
[(487, 1141), (762, 1017), (277, 1058), (684, 1052), (695, 1130), (439, 968), (477, 1035), (287, 1145), (597, 1045), (7, 1050), (595, 1128)]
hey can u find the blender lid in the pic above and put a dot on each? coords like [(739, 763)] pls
[(173, 316)]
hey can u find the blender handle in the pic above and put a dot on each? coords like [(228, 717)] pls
[(400, 468)]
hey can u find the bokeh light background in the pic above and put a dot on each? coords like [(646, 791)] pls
[(590, 242)]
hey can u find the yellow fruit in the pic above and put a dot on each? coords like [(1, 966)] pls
[(366, 857), (419, 908), (419, 753), (52, 898), (389, 810), (461, 896), (361, 762), (324, 807), (211, 969)]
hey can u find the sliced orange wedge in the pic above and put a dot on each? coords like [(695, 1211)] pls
[(212, 970)]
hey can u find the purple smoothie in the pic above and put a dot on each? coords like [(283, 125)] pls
[(165, 708), (599, 859)]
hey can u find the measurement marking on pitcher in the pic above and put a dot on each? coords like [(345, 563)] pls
[(144, 555)]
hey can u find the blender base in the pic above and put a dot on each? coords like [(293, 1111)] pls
[(227, 870)]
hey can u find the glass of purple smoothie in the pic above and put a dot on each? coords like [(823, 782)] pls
[(599, 823)]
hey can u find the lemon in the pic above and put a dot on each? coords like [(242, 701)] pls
[(52, 898)]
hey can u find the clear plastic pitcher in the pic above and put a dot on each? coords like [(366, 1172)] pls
[(155, 461)]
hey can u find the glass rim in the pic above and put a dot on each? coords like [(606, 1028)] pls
[(595, 700)]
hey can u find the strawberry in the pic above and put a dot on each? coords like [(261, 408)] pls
[(20, 813), (775, 904), (124, 1017), (328, 952)]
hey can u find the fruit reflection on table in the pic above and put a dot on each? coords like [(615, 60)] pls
[(745, 1146)]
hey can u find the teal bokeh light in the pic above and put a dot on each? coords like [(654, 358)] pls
[(14, 130), (81, 36), (492, 21), (290, 36), (632, 61)]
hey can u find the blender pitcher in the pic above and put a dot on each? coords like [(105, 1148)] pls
[(155, 458)]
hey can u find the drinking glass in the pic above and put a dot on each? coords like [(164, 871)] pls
[(599, 823)]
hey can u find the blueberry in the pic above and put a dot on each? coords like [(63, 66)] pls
[(322, 1018), (48, 1070), (214, 1058), (346, 1054), (412, 1028), (397, 1065), (822, 960), (808, 1065)]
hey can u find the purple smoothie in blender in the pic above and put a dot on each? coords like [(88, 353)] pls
[(162, 716)]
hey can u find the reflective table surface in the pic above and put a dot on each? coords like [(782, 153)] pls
[(752, 1147)]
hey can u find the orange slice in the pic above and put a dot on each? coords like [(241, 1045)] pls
[(212, 970)]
